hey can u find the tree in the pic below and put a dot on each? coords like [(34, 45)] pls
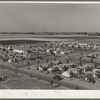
[(80, 58), (67, 60), (46, 60), (38, 61), (80, 63), (95, 65), (91, 60)]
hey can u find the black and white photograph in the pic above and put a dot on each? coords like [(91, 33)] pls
[(49, 46)]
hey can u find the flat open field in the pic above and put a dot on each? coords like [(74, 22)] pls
[(48, 36), (26, 37)]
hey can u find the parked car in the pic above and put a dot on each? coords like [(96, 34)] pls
[(57, 77)]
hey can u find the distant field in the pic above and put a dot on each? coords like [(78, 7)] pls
[(26, 37), (48, 36)]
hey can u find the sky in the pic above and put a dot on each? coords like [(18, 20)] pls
[(49, 17)]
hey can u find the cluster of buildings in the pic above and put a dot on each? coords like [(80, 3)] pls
[(87, 72)]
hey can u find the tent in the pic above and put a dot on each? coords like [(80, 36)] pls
[(47, 50), (10, 60), (66, 74), (54, 52), (18, 51), (44, 65), (73, 70), (89, 77), (96, 70), (62, 52), (50, 69), (55, 62), (64, 64)]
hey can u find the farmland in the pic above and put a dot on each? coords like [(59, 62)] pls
[(36, 44)]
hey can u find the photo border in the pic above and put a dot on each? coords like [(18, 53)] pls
[(24, 94)]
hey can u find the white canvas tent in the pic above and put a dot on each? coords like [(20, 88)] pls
[(66, 74), (18, 51)]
